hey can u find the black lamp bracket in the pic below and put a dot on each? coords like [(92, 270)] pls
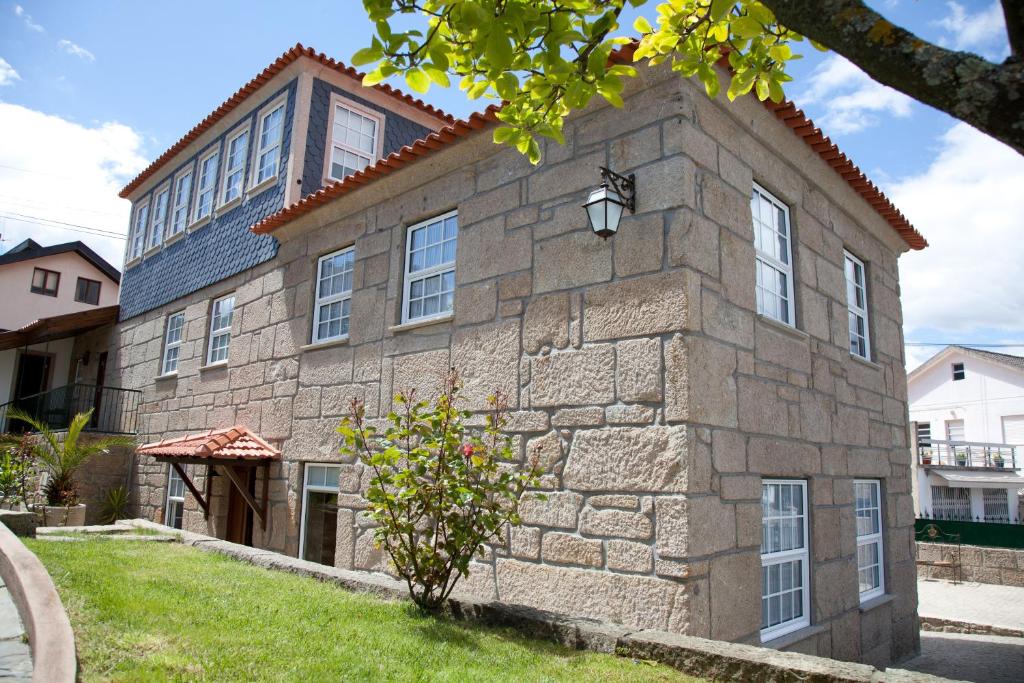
[(625, 185)]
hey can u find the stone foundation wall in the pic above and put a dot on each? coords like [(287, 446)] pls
[(638, 366), (1000, 566)]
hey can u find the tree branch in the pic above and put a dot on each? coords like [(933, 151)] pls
[(988, 96)]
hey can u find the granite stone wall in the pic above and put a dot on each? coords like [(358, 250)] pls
[(999, 566), (638, 366)]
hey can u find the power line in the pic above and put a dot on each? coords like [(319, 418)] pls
[(32, 203), (23, 216), (986, 346), (73, 227)]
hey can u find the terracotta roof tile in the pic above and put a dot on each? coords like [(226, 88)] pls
[(233, 443), (276, 67)]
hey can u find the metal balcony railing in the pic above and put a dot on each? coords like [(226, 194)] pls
[(967, 454), (115, 410)]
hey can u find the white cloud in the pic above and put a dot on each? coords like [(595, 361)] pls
[(7, 73), (848, 98), (967, 205), (60, 170), (983, 32), (27, 18), (75, 50)]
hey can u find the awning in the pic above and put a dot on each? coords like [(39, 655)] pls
[(991, 479), (58, 327)]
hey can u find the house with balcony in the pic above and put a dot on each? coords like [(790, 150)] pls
[(967, 421), (716, 391)]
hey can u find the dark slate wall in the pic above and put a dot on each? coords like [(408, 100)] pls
[(221, 248), (398, 131)]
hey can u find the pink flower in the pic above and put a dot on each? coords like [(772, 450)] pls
[(467, 450)]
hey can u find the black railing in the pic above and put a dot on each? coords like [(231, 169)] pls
[(970, 532), (115, 411)]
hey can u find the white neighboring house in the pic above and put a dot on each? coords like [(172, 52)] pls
[(967, 424)]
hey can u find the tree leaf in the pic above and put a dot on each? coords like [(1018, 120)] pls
[(417, 80)]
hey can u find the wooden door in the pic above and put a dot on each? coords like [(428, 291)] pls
[(239, 527)]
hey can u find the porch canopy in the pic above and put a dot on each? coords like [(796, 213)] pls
[(58, 327), (990, 479), (229, 449)]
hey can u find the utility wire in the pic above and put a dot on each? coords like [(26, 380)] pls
[(986, 346), (44, 221)]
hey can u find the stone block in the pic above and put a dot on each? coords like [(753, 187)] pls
[(632, 414), (735, 597), (562, 548), (639, 245), (740, 487), (487, 360), (779, 457), (621, 502), (487, 250), (729, 451), (738, 277), (422, 372), (712, 382), (724, 204), (638, 370), (626, 556), (760, 410), (618, 523), (677, 379), (559, 510), (571, 260), (628, 459), (475, 303), (693, 242), (691, 527), (583, 377), (578, 417), (546, 322), (524, 543), (648, 305), (547, 449)]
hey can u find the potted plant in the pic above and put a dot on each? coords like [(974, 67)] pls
[(961, 457), (926, 457), (997, 459), (60, 459), (16, 471)]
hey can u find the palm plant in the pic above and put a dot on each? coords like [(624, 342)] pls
[(61, 458)]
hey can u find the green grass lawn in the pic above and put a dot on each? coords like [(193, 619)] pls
[(156, 611)]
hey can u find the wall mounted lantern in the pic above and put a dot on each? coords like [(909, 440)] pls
[(605, 204)]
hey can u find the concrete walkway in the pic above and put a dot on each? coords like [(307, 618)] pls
[(975, 603), (15, 655), (964, 657)]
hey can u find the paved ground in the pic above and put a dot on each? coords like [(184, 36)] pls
[(983, 659), (977, 603), (15, 656)]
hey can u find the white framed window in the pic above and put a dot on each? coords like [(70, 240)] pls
[(270, 131), (870, 564), (234, 166), (430, 268), (179, 209), (172, 343), (774, 257), (857, 305), (319, 528), (221, 314), (355, 138), (174, 510), (156, 229), (206, 185), (785, 574), (333, 295), (138, 240)]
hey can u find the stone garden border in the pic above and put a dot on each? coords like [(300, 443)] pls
[(710, 659), (46, 623)]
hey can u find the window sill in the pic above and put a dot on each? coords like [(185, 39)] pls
[(174, 238), (130, 263), (227, 206), (876, 601), (42, 293), (316, 346), (793, 637), (152, 250), (864, 361), (783, 327), (200, 223), (259, 187), (412, 325), (166, 376), (213, 366)]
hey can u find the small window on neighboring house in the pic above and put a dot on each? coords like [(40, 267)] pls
[(234, 166), (205, 186), (785, 595), (172, 343), (430, 268), (45, 281), (179, 213), (220, 329), (175, 509), (87, 291), (138, 237), (857, 305), (924, 433), (870, 572), (774, 262), (156, 230), (997, 505), (268, 151), (354, 136), (958, 371), (951, 503), (333, 295)]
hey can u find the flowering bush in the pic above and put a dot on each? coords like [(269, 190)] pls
[(439, 490)]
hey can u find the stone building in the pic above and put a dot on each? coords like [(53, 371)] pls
[(718, 391)]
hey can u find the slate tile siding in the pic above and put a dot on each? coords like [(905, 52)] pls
[(224, 246), (398, 131)]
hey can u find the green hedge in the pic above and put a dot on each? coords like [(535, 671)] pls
[(987, 534)]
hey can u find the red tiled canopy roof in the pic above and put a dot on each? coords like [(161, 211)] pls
[(233, 443)]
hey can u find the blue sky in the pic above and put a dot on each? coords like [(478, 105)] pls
[(117, 83)]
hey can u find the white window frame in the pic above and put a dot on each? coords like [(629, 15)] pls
[(153, 240), (874, 539), (172, 345), (769, 559), (138, 232), (197, 186), (306, 489), (217, 333), (178, 500), (321, 301), (258, 151), (378, 142), (859, 312), (764, 259), (241, 168), (176, 190), (409, 278)]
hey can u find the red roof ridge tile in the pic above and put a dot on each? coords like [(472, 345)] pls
[(227, 443), (260, 79)]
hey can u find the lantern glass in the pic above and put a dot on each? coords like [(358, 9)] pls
[(604, 209)]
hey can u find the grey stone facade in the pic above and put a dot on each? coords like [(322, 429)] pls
[(658, 397)]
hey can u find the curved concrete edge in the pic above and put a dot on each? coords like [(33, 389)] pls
[(49, 630)]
